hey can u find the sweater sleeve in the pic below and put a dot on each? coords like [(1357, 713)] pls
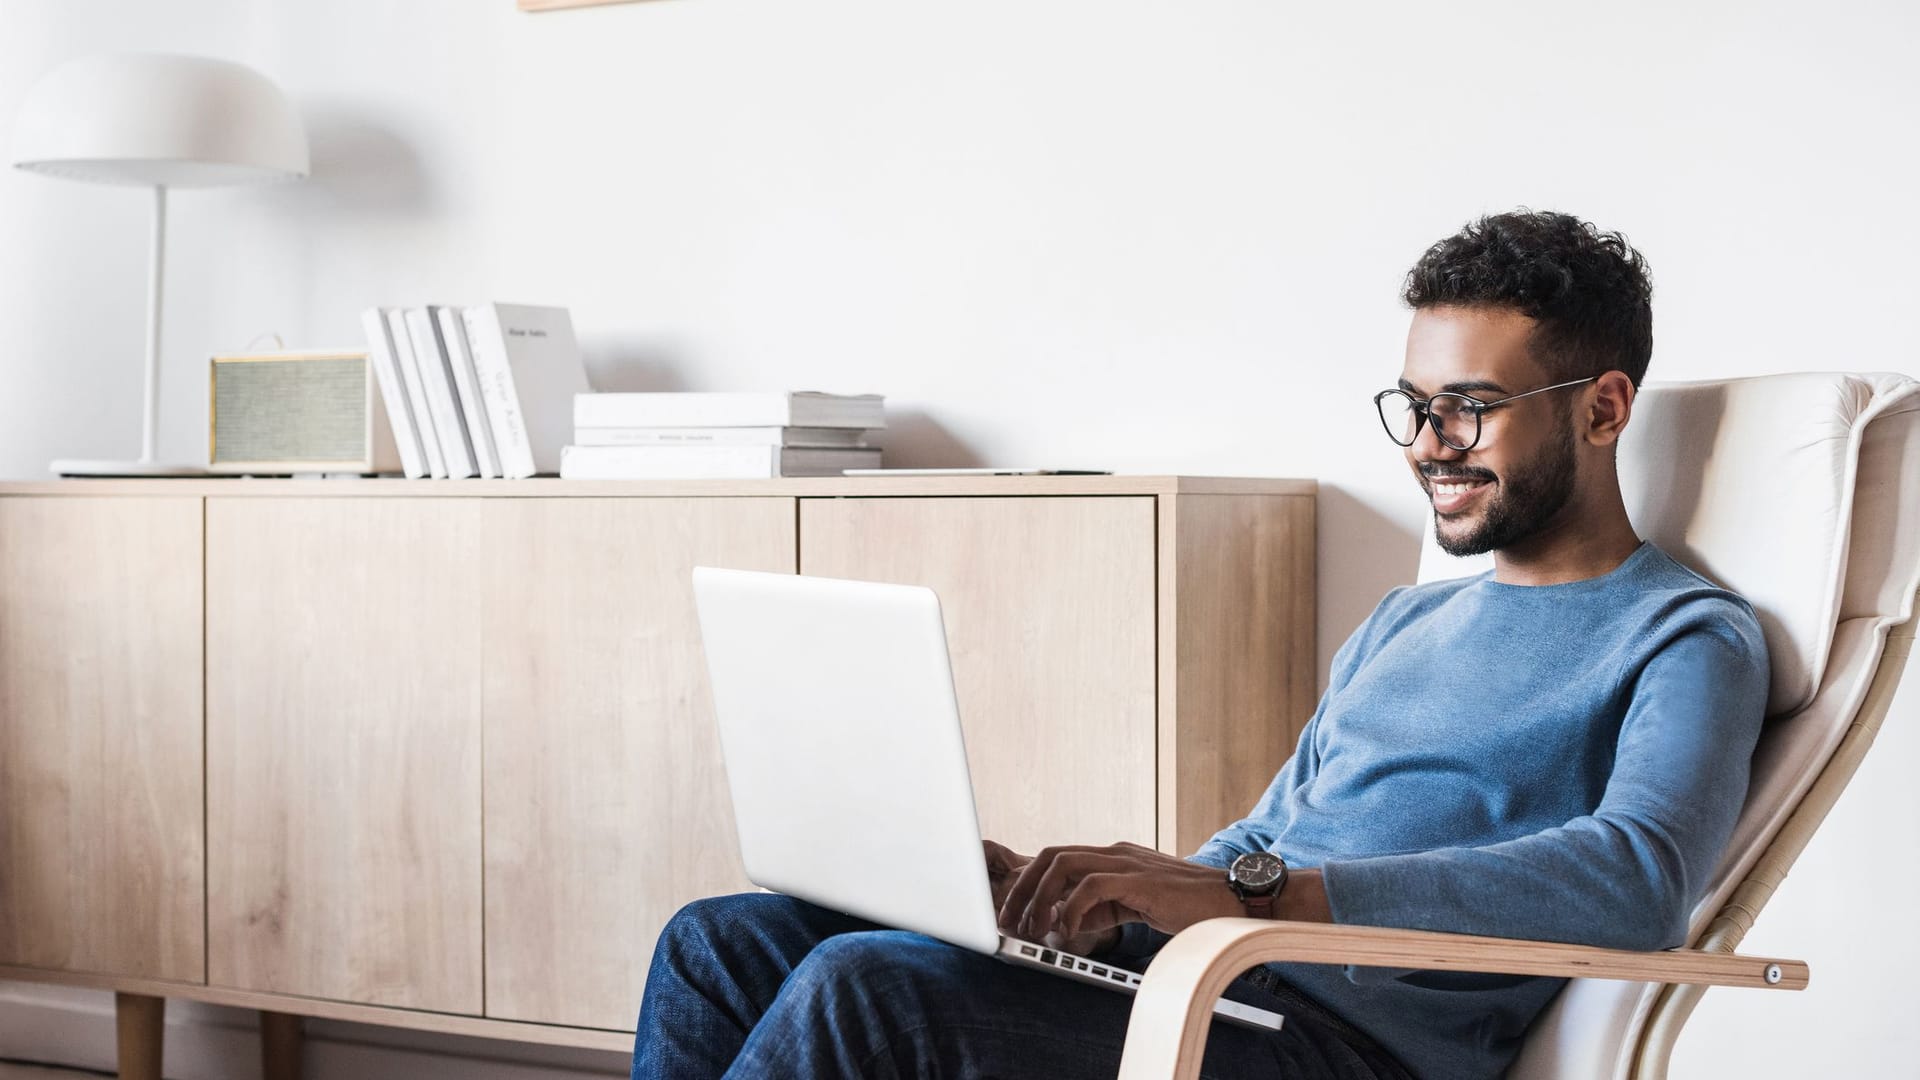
[(1626, 875)]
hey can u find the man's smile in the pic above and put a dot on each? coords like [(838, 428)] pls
[(1452, 493), (1451, 497)]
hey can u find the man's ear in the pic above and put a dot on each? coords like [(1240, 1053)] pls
[(1610, 409)]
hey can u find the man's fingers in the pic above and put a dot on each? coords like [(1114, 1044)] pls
[(1097, 902), (1014, 906), (1002, 858), (1061, 874), (1036, 915), (1002, 866), (1015, 900)]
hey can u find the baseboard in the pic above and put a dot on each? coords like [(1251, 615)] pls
[(62, 1025)]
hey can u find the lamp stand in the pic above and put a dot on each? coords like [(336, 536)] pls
[(150, 418), (156, 288)]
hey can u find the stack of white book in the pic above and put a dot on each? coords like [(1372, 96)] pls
[(478, 391), (721, 436)]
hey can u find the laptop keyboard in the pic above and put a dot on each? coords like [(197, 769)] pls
[(1069, 962)]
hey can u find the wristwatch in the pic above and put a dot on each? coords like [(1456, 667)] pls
[(1256, 878)]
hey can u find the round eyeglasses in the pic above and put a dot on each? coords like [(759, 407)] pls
[(1455, 417)]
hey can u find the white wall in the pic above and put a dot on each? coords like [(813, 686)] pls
[(1147, 235)]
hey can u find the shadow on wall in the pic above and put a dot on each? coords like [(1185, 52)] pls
[(914, 440), (359, 168), (1363, 553), (620, 365)]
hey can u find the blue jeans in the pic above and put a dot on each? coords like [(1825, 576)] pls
[(759, 985)]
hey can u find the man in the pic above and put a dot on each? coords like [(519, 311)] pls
[(1556, 750)]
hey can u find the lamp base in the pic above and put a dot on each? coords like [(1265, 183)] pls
[(71, 467)]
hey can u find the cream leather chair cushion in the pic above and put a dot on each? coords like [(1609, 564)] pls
[(1781, 489)]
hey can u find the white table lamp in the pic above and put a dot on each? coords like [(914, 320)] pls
[(157, 121)]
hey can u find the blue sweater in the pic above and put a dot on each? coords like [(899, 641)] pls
[(1558, 763)]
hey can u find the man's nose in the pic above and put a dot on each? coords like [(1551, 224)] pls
[(1427, 445)]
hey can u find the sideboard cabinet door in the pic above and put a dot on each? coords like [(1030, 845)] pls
[(1049, 610), (100, 779), (343, 748), (606, 803)]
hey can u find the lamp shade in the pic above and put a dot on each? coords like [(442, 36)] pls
[(159, 120)]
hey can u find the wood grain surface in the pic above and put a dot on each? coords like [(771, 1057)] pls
[(606, 801), (100, 785), (1238, 655), (1049, 611), (343, 749)]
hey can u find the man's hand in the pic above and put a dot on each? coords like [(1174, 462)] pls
[(1003, 870), (1077, 898), (1003, 865)]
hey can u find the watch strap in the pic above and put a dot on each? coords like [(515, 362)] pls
[(1259, 905)]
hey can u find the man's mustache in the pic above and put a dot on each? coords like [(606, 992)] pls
[(1434, 474)]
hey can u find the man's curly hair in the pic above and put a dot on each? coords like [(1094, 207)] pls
[(1588, 290)]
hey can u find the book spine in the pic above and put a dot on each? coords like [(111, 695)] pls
[(436, 374), (802, 462), (479, 431), (852, 438), (669, 462), (393, 393), (495, 376), (728, 410), (416, 392), (680, 410)]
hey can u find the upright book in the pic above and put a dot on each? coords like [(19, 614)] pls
[(393, 390), (436, 371), (530, 372), (453, 334), (416, 391), (804, 408)]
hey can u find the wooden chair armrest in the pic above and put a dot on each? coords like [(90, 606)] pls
[(1168, 1027)]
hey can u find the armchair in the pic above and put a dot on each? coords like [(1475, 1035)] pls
[(1801, 492)]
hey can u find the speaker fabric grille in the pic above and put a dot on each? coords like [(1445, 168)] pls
[(290, 410)]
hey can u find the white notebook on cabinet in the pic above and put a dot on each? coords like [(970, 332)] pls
[(453, 334), (416, 391), (393, 391), (436, 373), (529, 369)]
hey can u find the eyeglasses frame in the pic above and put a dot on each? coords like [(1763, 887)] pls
[(1479, 409)]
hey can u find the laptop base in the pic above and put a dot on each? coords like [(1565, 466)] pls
[(1081, 969)]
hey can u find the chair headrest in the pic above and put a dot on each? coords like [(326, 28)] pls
[(1751, 482)]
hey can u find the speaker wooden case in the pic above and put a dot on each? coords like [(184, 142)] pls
[(298, 412)]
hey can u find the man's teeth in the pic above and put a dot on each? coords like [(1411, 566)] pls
[(1454, 489)]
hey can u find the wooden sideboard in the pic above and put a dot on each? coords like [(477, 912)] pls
[(440, 755)]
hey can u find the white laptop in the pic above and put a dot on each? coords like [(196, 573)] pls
[(841, 737)]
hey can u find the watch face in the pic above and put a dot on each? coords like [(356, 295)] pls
[(1257, 870)]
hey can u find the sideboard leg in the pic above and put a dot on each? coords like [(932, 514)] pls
[(281, 1042), (142, 1025)]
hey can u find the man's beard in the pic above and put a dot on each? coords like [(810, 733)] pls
[(1526, 501)]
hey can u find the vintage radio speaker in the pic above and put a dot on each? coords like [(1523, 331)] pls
[(282, 413)]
